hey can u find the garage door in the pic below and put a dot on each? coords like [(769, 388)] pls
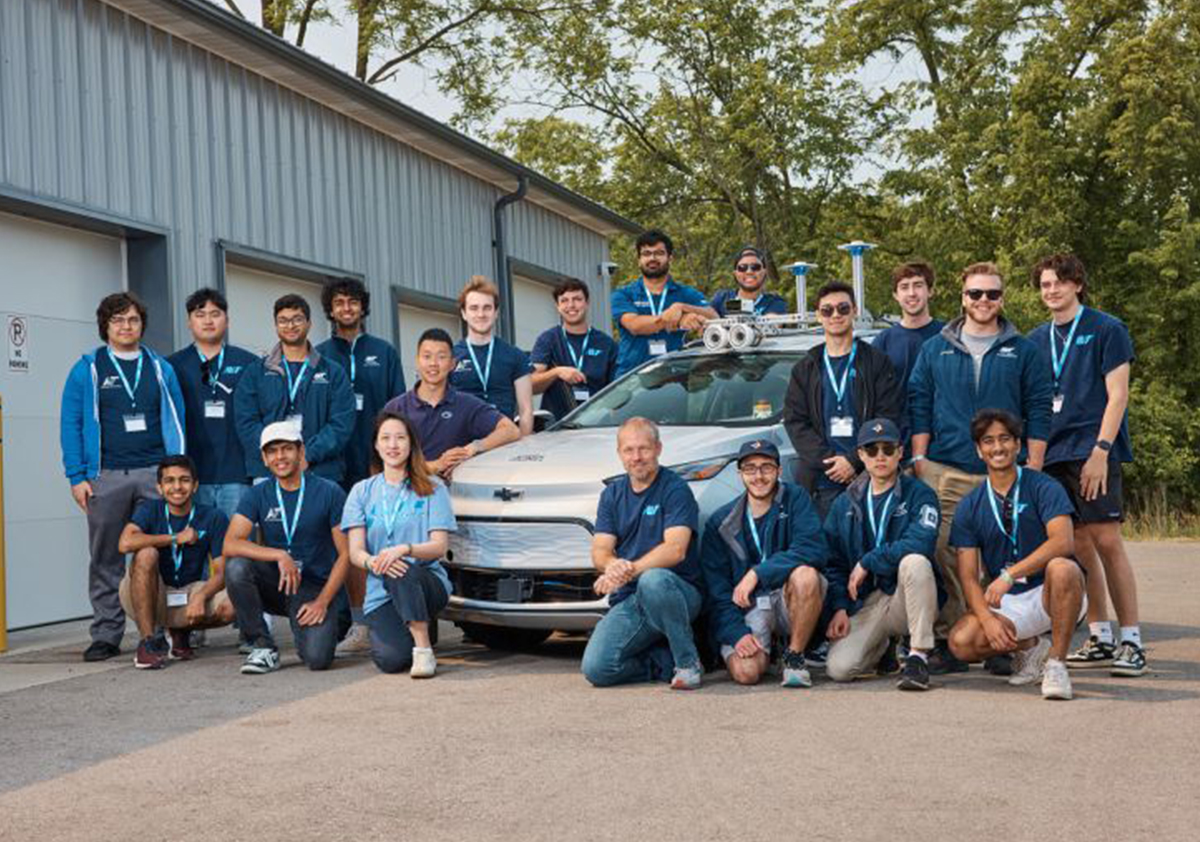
[(53, 279), (413, 322), (252, 294), (534, 311)]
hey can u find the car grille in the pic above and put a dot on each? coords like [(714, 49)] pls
[(521, 545), (525, 586)]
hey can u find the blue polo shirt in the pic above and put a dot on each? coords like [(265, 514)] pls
[(130, 430), (457, 420), (831, 408), (639, 520), (508, 364), (212, 439), (633, 298), (767, 304), (370, 504), (1101, 343), (975, 527), (312, 546), (154, 518), (595, 350)]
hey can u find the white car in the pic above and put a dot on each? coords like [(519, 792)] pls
[(521, 559)]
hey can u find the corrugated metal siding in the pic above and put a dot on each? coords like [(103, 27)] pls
[(100, 110)]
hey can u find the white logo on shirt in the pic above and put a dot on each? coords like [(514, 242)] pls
[(447, 415), (463, 365), (273, 515), (320, 377), (372, 361), (111, 382), (1007, 351), (929, 516)]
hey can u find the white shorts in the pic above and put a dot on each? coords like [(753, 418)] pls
[(766, 623), (1028, 613)]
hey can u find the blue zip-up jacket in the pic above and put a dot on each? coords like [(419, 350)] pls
[(324, 399), (943, 398), (791, 536), (79, 422), (912, 527)]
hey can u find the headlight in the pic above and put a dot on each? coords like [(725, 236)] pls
[(703, 469)]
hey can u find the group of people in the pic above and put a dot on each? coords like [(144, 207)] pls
[(309, 483)]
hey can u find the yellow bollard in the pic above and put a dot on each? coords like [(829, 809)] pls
[(3, 615)]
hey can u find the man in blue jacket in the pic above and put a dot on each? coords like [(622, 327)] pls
[(763, 556), (978, 361), (122, 412), (298, 383), (750, 274), (882, 533)]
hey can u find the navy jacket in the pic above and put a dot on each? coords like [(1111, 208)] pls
[(912, 527), (791, 536)]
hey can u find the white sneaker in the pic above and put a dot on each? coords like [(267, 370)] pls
[(356, 642), (1027, 665), (687, 678), (260, 662), (424, 663), (1056, 681)]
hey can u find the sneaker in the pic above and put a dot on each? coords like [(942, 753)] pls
[(1129, 660), (261, 661), (1027, 664), (181, 646), (1056, 682), (149, 656), (815, 657), (795, 670), (356, 642), (941, 660), (686, 678), (1001, 665), (1094, 653), (100, 651), (915, 675), (245, 647), (424, 663), (198, 638), (888, 664)]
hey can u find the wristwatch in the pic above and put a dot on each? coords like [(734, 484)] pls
[(1006, 577), (1104, 445)]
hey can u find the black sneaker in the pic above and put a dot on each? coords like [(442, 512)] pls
[(100, 651), (815, 657), (1094, 653), (999, 665), (943, 662), (1129, 660), (888, 663), (915, 675)]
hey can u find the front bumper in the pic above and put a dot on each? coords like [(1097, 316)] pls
[(577, 617)]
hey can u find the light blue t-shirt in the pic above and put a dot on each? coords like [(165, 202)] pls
[(369, 505)]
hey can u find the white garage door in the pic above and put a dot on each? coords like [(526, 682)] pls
[(53, 279), (252, 294), (413, 322), (534, 311)]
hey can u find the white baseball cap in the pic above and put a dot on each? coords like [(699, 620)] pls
[(280, 431)]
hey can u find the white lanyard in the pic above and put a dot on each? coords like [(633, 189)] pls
[(1058, 363), (1016, 507), (137, 377), (578, 362), (176, 550), (879, 531), (662, 298), (294, 388), (484, 374), (839, 389), (754, 531), (289, 531)]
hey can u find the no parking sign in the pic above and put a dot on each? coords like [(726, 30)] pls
[(18, 343)]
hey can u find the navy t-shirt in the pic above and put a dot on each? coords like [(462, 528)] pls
[(456, 421), (508, 364), (902, 344), (975, 527), (130, 431), (639, 520), (153, 517), (1101, 344), (212, 439), (556, 347), (312, 546), (831, 408), (767, 304), (633, 298)]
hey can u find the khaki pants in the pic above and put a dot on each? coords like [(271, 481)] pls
[(951, 485), (910, 610), (174, 617)]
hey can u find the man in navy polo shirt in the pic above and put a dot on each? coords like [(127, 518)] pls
[(299, 568), (1016, 526), (296, 382), (750, 274), (122, 412), (209, 371), (452, 426), (645, 549), (572, 361), (1089, 354), (174, 540), (912, 285), (655, 312), (488, 367)]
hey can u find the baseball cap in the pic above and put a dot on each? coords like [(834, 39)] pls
[(762, 258), (280, 431), (878, 429), (759, 447)]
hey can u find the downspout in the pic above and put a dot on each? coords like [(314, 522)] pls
[(508, 324)]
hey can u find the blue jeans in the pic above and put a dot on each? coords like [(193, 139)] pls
[(417, 596), (627, 644), (224, 497)]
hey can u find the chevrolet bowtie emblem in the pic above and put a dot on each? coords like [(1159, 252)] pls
[(507, 494)]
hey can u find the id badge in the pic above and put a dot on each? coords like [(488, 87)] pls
[(763, 603), (1057, 405), (841, 427), (135, 423), (658, 347), (581, 395), (177, 598), (214, 409), (358, 402), (746, 306)]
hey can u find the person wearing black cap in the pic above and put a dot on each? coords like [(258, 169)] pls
[(882, 534), (750, 273), (763, 556)]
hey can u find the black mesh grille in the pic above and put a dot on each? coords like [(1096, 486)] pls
[(524, 586)]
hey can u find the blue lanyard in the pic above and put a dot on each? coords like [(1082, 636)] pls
[(176, 550), (879, 531), (1016, 506), (294, 388), (137, 378), (353, 362), (1058, 363), (289, 531), (577, 362), (839, 389), (662, 298), (484, 374), (215, 380), (754, 531), (390, 515)]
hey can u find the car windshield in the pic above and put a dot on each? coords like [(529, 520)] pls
[(702, 390)]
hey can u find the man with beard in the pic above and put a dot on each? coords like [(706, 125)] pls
[(572, 361), (750, 274)]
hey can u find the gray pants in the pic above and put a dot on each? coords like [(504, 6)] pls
[(116, 493)]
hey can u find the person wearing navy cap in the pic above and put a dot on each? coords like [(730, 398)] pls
[(763, 556), (882, 535), (750, 274)]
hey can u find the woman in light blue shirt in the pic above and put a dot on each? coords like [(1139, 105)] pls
[(398, 522)]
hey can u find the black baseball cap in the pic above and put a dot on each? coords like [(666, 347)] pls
[(878, 429), (762, 258), (759, 447)]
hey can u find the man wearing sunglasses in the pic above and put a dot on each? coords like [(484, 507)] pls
[(882, 534), (763, 556), (978, 361), (750, 274), (1016, 526), (837, 386)]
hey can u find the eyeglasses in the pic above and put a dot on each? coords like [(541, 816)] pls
[(976, 294), (122, 321), (655, 253), (749, 267), (294, 321), (842, 309), (759, 470), (874, 447)]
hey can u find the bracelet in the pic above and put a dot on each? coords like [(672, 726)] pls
[(1006, 577), (367, 564), (920, 457)]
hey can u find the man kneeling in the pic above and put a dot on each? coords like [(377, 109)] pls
[(173, 541), (762, 556), (1018, 524), (882, 532), (645, 550)]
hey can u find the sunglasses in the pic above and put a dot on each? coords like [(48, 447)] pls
[(976, 294), (873, 448), (749, 267), (842, 309)]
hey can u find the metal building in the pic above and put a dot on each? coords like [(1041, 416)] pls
[(165, 145)]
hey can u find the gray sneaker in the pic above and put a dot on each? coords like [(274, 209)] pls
[(261, 661), (1027, 665), (686, 678), (795, 670)]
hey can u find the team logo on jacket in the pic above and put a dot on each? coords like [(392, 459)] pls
[(1008, 352), (321, 377), (371, 361), (928, 516)]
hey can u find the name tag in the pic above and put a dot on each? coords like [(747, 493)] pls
[(358, 402), (214, 409), (658, 347), (581, 395), (135, 423), (763, 603), (745, 305), (1057, 405), (841, 427), (177, 598)]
